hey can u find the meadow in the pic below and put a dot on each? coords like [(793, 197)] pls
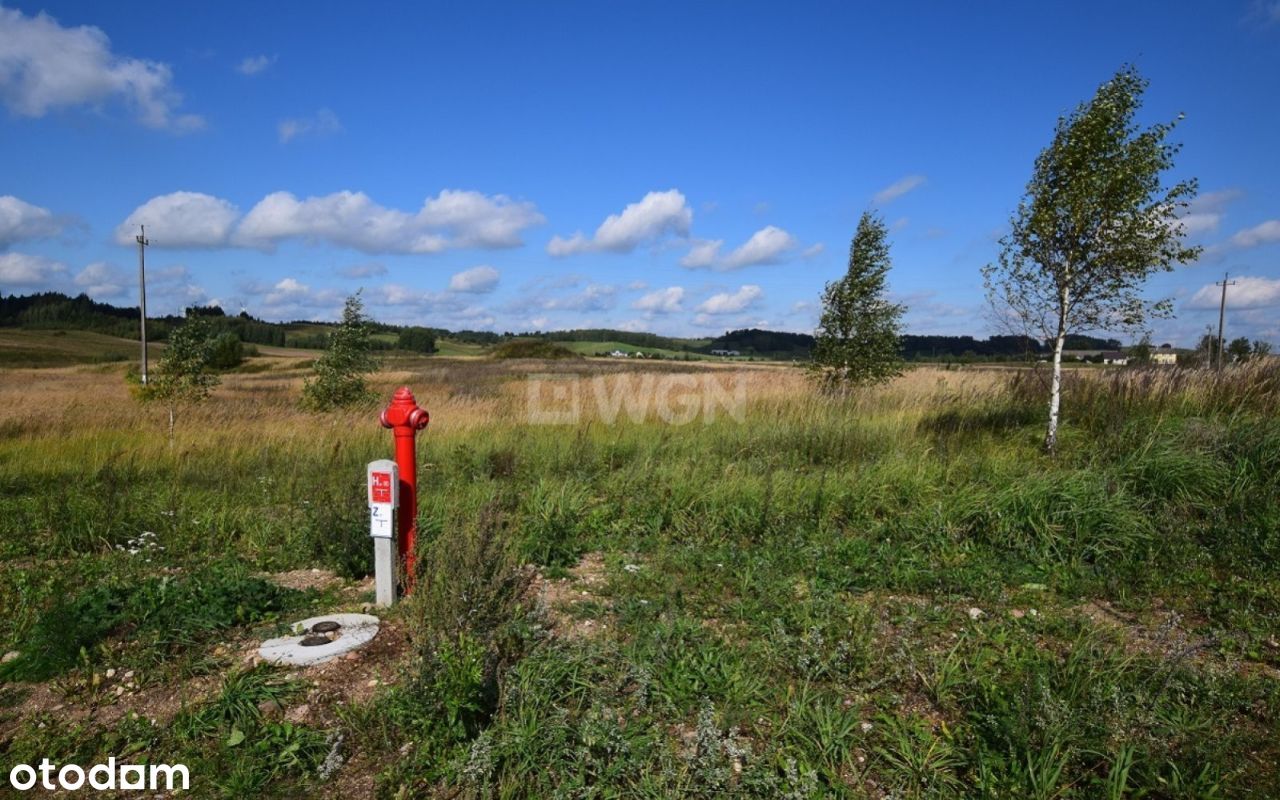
[(889, 593)]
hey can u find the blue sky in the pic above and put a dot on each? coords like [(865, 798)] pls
[(685, 168)]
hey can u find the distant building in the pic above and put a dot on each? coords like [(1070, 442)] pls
[(1164, 355), (1115, 357), (618, 354), (725, 353)]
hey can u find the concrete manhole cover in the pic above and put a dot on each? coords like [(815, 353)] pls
[(320, 639)]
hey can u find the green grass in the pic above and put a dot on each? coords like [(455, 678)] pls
[(162, 616), (592, 348), (24, 348), (887, 593), (451, 347)]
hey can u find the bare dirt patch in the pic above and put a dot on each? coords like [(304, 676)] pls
[(351, 678), (1160, 634), (304, 579), (115, 698), (585, 584)]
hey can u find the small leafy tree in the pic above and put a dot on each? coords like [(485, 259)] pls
[(1239, 350), (858, 337), (417, 340), (339, 379), (183, 376), (1261, 349), (1206, 352), (227, 351), (1140, 353), (1094, 223)]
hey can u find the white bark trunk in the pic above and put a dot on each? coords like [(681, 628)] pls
[(1055, 387), (171, 420)]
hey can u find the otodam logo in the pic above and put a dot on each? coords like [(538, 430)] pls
[(103, 777)]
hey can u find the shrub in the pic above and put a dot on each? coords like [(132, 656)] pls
[(226, 352), (417, 340)]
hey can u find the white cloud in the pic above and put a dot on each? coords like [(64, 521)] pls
[(658, 214), (20, 269), (181, 219), (814, 250), (593, 297), (537, 298), (897, 189), (410, 306), (637, 286), (769, 245), (703, 253), (351, 219), (766, 246), (726, 303), (1248, 292), (323, 123), (560, 247), (20, 221), (252, 65), (289, 288), (662, 301), (44, 67), (1263, 233), (173, 289), (478, 220), (393, 294), (101, 279), (1205, 212), (290, 298), (476, 280)]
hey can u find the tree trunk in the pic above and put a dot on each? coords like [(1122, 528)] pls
[(1055, 387), (171, 415)]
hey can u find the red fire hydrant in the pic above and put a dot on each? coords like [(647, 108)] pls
[(405, 419)]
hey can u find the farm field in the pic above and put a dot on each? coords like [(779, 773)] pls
[(886, 594), (591, 348), (36, 348)]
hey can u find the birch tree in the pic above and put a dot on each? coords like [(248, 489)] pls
[(339, 379), (1095, 222), (184, 378), (859, 335)]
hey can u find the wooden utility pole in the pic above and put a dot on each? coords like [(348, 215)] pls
[(142, 293), (1222, 314)]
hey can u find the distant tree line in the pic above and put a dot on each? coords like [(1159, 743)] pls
[(53, 310), (633, 338), (912, 347), (47, 310)]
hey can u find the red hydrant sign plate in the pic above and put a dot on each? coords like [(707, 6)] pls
[(380, 487)]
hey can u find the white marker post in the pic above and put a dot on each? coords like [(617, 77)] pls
[(384, 501)]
